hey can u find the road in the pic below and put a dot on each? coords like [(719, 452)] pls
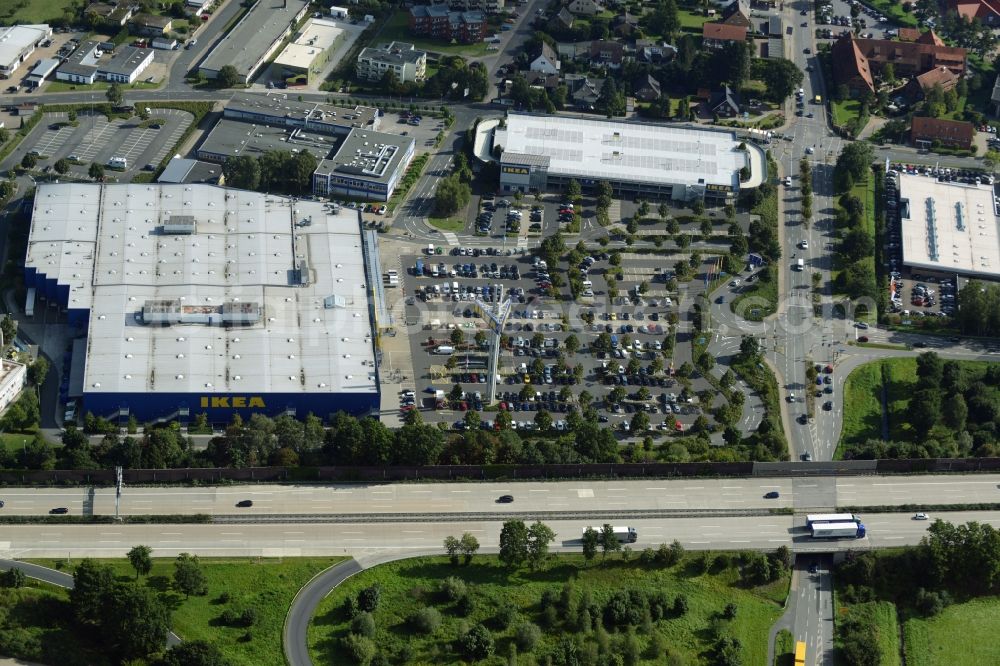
[(812, 598), (800, 493), (360, 539), (295, 636)]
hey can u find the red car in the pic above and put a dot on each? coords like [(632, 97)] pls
[(863, 338)]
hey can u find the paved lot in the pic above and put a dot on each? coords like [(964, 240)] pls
[(96, 139), (536, 371)]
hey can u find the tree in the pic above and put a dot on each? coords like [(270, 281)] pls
[(573, 190), (61, 166), (527, 635), (513, 543), (96, 171), (134, 621), (140, 557), (194, 653), (477, 643), (14, 578), (369, 598), (540, 536), (227, 77), (302, 167), (781, 78), (242, 171), (115, 95), (426, 620), (590, 541), (361, 648), (451, 548), (9, 329), (29, 160), (451, 195), (93, 583), (609, 541), (469, 545), (188, 576)]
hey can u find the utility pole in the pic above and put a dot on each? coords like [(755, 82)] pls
[(118, 491)]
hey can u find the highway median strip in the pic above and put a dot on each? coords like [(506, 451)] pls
[(193, 518)]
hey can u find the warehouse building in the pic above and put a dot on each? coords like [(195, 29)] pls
[(949, 227), (280, 111), (637, 159), (255, 38), (202, 299), (230, 138), (368, 165), (311, 49), (17, 43), (89, 63)]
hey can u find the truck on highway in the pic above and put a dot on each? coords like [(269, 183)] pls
[(623, 534), (800, 653), (832, 518), (837, 530)]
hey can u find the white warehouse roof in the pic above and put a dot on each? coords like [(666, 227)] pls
[(316, 37), (18, 39), (624, 151), (108, 244), (949, 226)]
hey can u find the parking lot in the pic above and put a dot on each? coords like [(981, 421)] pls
[(96, 139), (618, 354)]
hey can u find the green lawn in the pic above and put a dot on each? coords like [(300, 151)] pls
[(14, 441), (691, 21), (66, 86), (410, 585), (961, 635), (34, 11), (397, 29), (446, 224), (268, 585), (894, 12), (881, 615), (862, 406), (844, 111)]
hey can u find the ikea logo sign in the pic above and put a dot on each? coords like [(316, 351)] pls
[(232, 401)]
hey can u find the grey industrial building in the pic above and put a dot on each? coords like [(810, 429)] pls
[(230, 138), (255, 38), (279, 110), (367, 165)]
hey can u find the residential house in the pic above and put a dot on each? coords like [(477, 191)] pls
[(563, 20), (648, 50), (987, 11), (645, 88), (724, 103), (925, 132), (605, 53), (546, 62), (909, 58), (150, 25), (548, 82), (717, 35), (405, 61), (737, 13), (583, 91), (572, 50), (942, 77), (110, 14), (625, 25), (438, 22), (584, 7), (851, 68)]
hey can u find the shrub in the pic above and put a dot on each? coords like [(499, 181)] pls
[(476, 643), (361, 649), (369, 597), (453, 589), (505, 616), (526, 636), (729, 612), (466, 606), (232, 617), (350, 607), (363, 624), (680, 605), (426, 620)]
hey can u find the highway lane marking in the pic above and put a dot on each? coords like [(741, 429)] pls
[(732, 488), (352, 532), (171, 533), (413, 531), (421, 491), (111, 533), (694, 487), (382, 492), (293, 532), (699, 542), (538, 490), (775, 540), (745, 541), (461, 491), (655, 489), (231, 533)]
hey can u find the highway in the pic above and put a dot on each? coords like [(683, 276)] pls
[(576, 496), (295, 540)]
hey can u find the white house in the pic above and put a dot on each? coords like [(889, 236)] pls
[(339, 12), (546, 62)]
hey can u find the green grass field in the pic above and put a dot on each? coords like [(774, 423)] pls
[(446, 224), (691, 21), (862, 407), (845, 111), (881, 615), (33, 11), (410, 585), (894, 12), (397, 29), (901, 374), (66, 86), (961, 635), (14, 441), (268, 585)]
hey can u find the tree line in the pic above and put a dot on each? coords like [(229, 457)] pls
[(856, 246), (274, 171), (979, 309)]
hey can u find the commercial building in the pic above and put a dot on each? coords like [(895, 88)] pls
[(438, 22), (255, 38), (949, 227), (13, 379), (42, 70), (151, 25), (88, 63), (202, 299), (855, 60), (311, 49), (17, 43), (184, 170), (279, 110), (637, 159), (367, 165), (405, 61), (230, 138), (926, 132)]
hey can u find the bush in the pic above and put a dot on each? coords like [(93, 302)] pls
[(466, 606), (426, 620), (526, 636), (729, 612), (369, 597), (505, 616), (453, 589), (931, 603), (363, 624), (361, 649), (476, 643), (680, 605), (239, 618), (350, 607), (14, 578)]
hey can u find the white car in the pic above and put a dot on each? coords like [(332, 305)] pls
[(788, 181), (921, 516), (810, 150), (734, 283), (804, 244)]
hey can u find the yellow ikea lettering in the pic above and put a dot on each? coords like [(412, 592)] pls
[(233, 402), (239, 401), (257, 401), (220, 402)]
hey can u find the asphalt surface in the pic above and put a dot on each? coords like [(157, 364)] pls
[(295, 637), (799, 493), (59, 579)]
